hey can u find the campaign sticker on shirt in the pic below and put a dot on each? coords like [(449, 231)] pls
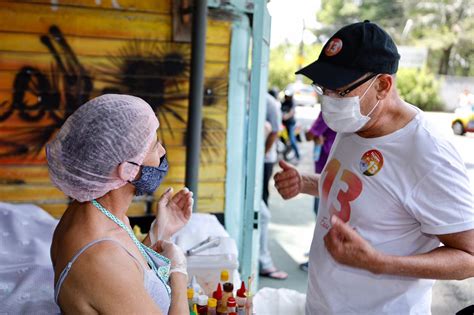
[(371, 162), (334, 47)]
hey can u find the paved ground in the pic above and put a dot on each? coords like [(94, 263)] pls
[(291, 231)]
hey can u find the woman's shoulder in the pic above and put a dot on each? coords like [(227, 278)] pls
[(102, 267), (79, 235)]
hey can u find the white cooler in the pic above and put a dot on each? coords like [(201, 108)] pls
[(208, 264)]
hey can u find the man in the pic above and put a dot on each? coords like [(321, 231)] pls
[(273, 118), (272, 126), (288, 111), (466, 99), (392, 189)]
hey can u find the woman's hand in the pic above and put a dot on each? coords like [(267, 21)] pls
[(174, 253), (172, 214)]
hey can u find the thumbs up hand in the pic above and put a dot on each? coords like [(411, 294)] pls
[(288, 181)]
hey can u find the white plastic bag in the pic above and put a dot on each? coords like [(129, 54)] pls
[(270, 301)]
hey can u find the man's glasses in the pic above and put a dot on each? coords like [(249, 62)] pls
[(321, 91)]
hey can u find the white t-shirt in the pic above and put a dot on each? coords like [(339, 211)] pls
[(398, 191), (274, 118)]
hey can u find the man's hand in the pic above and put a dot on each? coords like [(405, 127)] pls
[(288, 182), (347, 247), (319, 140), (173, 213)]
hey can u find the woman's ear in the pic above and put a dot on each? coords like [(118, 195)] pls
[(127, 171), (383, 86)]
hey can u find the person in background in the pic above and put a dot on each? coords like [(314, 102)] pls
[(274, 92), (466, 99), (323, 138), (273, 119), (289, 121), (272, 126)]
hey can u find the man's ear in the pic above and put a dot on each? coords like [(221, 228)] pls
[(127, 171), (384, 85)]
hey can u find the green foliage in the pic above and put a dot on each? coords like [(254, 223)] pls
[(446, 27), (420, 88), (335, 14), (285, 61), (282, 66)]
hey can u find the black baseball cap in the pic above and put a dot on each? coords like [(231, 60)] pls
[(353, 51)]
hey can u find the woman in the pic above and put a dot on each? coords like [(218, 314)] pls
[(106, 153)]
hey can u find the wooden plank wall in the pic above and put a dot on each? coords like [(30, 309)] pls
[(55, 55)]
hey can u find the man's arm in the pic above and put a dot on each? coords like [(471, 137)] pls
[(273, 120), (272, 137), (289, 114), (454, 261), (310, 184)]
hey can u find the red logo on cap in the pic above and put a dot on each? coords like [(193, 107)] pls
[(333, 48)]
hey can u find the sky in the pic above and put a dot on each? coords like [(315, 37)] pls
[(288, 17)]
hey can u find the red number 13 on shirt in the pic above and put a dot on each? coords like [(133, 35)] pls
[(344, 197)]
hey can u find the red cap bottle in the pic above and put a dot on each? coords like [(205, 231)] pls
[(242, 290), (218, 293), (231, 306)]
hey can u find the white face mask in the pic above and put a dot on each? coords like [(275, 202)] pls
[(342, 114)]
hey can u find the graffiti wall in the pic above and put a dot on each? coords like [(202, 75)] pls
[(55, 55)]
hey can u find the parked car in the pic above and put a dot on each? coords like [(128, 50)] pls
[(303, 94), (463, 121)]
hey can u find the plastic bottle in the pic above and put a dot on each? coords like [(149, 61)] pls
[(249, 304), (228, 293), (248, 294), (317, 152), (191, 300), (218, 296), (202, 305), (211, 306), (231, 306), (194, 311), (241, 299), (224, 276), (195, 285)]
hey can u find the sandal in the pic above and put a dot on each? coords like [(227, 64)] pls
[(274, 274)]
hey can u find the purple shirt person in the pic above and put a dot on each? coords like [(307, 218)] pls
[(322, 134)]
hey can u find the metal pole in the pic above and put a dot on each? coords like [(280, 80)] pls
[(196, 91)]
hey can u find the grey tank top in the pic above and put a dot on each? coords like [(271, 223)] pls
[(153, 284)]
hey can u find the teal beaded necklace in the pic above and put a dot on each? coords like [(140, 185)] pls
[(163, 272)]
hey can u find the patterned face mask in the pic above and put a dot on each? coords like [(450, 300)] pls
[(151, 177)]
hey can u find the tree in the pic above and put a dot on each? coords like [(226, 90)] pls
[(334, 14), (446, 27), (284, 62)]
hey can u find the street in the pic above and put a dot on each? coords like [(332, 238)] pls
[(291, 231)]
